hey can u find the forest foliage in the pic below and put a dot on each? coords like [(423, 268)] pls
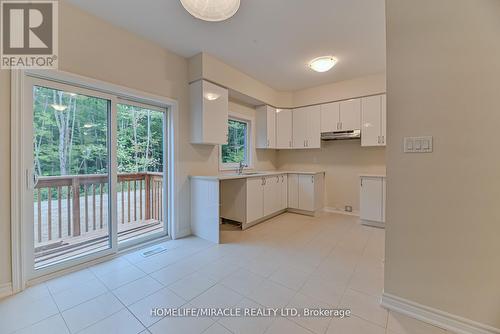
[(71, 135)]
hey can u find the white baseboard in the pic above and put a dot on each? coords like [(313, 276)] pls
[(5, 290), (436, 317), (335, 210)]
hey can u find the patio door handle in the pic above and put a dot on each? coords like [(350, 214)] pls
[(31, 179)]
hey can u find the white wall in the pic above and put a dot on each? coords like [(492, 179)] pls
[(443, 217), (343, 161), (341, 90)]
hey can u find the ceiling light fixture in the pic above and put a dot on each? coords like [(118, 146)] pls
[(323, 64), (211, 96), (211, 10), (59, 107)]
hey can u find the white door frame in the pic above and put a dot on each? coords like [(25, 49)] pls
[(18, 149)]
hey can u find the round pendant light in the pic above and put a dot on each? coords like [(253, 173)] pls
[(211, 10), (322, 64)]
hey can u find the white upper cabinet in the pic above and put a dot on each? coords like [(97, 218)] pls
[(299, 128), (350, 115), (373, 121), (330, 117), (307, 127), (266, 127), (314, 127), (284, 138), (209, 113), (341, 116)]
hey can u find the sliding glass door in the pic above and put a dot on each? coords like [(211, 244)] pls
[(96, 175), (142, 182)]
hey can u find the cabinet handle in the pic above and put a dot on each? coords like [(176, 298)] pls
[(312, 179), (378, 140), (282, 178), (383, 139), (277, 179)]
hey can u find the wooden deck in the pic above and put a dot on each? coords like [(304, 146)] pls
[(66, 248), (71, 213)]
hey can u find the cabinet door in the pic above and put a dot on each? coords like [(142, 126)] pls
[(383, 120), (272, 194), (371, 121), (284, 128), (371, 199), (284, 191), (271, 127), (306, 192), (350, 115), (330, 117), (299, 127), (255, 200), (266, 127), (293, 191), (313, 139), (215, 113)]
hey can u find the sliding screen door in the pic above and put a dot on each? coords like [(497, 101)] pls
[(141, 188), (71, 174)]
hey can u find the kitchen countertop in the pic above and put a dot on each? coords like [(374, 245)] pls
[(231, 176)]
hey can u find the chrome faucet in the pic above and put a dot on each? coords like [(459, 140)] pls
[(241, 166)]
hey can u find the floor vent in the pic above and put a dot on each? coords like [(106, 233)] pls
[(153, 251)]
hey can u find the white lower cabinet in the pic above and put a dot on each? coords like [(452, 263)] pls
[(272, 194), (305, 191), (284, 191), (293, 191), (372, 200), (255, 201)]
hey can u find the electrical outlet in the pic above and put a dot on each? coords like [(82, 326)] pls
[(418, 144)]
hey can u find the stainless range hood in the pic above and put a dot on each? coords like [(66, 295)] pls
[(341, 135)]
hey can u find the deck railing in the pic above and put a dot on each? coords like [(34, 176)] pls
[(140, 198)]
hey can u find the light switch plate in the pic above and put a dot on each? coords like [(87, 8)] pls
[(418, 144)]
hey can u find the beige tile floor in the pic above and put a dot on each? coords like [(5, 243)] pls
[(291, 260)]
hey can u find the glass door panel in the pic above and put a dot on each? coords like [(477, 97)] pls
[(141, 186), (71, 159)]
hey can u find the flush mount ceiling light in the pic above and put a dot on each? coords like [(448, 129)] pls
[(211, 96), (322, 64), (211, 10)]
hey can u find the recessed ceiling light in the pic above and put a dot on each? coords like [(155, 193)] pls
[(211, 96), (211, 10), (323, 64)]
